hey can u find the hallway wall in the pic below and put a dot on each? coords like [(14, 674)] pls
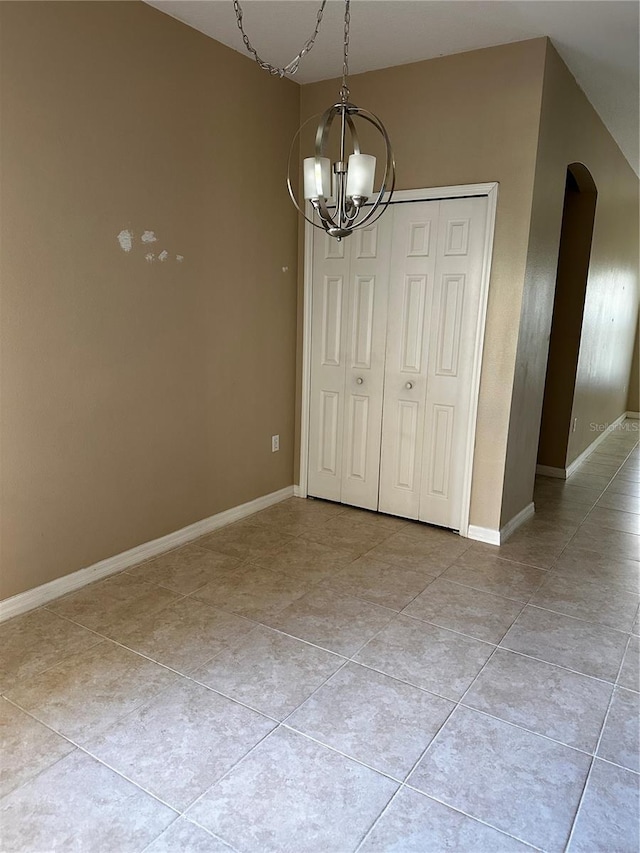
[(572, 132)]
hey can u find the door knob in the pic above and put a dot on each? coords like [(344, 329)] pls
[(359, 380), (409, 385)]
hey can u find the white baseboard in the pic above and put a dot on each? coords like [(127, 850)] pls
[(491, 536), (512, 525), (33, 598), (594, 444), (548, 471), (299, 492), (634, 416), (565, 473), (483, 534)]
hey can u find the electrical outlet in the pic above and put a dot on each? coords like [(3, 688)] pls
[(275, 443)]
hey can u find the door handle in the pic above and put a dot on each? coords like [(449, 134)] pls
[(409, 385), (359, 380)]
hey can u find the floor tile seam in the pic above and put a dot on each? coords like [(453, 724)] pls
[(94, 729), (384, 773), (190, 543), (86, 751), (483, 821), (208, 831), (69, 595), (377, 819), (618, 765), (475, 589), (558, 665), (291, 636), (33, 778), (505, 597), (178, 811), (403, 681), (478, 674), (631, 513), (228, 772), (284, 721), (191, 593), (178, 598), (452, 630), (578, 618), (595, 753), (524, 728), (503, 559), (49, 766), (191, 677), (302, 640), (557, 558), (597, 583), (619, 686), (57, 662), (155, 696), (590, 524), (621, 667), (605, 584), (233, 699), (369, 601)]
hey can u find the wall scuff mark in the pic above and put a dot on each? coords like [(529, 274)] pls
[(125, 238)]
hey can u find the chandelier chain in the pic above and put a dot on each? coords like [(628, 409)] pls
[(344, 89), (290, 67)]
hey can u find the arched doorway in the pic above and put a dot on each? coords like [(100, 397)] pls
[(568, 309)]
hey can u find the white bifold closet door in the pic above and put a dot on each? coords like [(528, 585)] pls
[(394, 330), (350, 281)]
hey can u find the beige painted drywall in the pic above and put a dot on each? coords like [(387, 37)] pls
[(571, 132), (574, 253), (466, 119), (633, 399), (137, 397)]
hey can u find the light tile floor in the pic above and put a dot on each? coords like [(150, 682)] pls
[(318, 678)]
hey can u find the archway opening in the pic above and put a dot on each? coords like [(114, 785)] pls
[(576, 236)]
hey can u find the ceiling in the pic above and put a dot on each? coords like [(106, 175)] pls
[(598, 39)]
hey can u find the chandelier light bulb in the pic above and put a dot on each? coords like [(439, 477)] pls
[(317, 177), (361, 172)]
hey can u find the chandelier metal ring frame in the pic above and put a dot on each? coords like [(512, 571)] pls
[(341, 199), (379, 205)]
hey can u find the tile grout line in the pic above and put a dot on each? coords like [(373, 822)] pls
[(424, 751), (595, 755), (193, 823), (347, 660)]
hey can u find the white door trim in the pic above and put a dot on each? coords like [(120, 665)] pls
[(490, 190)]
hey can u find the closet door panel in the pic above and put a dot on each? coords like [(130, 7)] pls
[(407, 352), (328, 367), (364, 380), (454, 328)]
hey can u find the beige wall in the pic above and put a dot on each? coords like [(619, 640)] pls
[(137, 397), (633, 399), (464, 119), (571, 132), (574, 252)]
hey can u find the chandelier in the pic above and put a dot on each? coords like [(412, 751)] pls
[(341, 193)]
